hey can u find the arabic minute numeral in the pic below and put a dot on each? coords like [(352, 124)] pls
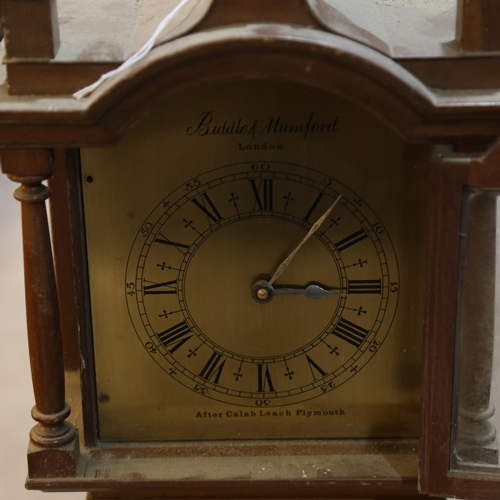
[(150, 347), (131, 289), (394, 286), (193, 184), (328, 387), (375, 345), (146, 229), (260, 166), (262, 402)]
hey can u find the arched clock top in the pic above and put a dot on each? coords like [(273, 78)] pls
[(260, 51), (273, 52)]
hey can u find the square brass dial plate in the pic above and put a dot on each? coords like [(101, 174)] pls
[(205, 196)]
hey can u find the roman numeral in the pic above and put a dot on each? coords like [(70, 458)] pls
[(265, 384), (213, 368), (165, 288), (364, 286), (313, 206), (175, 336), (315, 368), (263, 193), (351, 240), (206, 205), (171, 243), (350, 332)]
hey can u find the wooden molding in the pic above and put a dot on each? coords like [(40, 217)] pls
[(39, 78), (257, 51), (202, 474)]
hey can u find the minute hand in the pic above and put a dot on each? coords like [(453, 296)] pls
[(313, 229)]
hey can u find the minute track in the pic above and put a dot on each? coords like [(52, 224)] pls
[(236, 211)]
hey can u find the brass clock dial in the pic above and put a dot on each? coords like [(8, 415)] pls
[(200, 203), (198, 254)]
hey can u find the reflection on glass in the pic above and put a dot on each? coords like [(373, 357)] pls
[(474, 439)]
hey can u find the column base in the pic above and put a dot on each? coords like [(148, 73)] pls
[(53, 462)]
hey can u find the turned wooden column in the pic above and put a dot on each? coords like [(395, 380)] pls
[(476, 438), (54, 442)]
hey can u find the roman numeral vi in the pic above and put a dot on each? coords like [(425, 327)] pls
[(264, 381)]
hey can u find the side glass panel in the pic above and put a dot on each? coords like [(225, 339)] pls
[(477, 366)]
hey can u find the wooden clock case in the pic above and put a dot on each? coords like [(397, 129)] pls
[(449, 97)]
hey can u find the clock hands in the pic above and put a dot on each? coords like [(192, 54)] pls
[(263, 291), (313, 229)]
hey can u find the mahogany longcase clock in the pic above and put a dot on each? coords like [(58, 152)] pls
[(272, 265)]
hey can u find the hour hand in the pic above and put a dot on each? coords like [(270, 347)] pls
[(263, 292), (312, 292)]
